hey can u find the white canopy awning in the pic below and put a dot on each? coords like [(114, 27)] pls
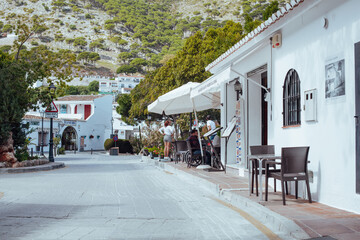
[(207, 94), (174, 102)]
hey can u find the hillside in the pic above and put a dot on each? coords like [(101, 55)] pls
[(125, 35)]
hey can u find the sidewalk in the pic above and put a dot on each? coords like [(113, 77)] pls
[(313, 220)]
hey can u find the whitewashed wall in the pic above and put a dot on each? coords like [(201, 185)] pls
[(98, 124), (306, 46), (332, 138)]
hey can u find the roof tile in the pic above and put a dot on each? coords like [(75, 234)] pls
[(79, 98)]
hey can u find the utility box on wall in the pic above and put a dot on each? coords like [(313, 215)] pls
[(310, 105)]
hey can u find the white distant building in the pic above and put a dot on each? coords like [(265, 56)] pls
[(120, 85), (85, 80), (83, 123), (119, 127)]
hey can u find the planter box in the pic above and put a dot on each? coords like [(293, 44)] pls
[(114, 151)]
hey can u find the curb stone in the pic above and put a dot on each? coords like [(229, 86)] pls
[(44, 167), (284, 227)]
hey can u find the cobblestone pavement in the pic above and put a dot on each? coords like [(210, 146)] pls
[(115, 197)]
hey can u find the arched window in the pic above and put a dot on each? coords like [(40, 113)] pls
[(291, 99)]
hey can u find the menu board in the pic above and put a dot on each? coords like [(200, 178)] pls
[(229, 129)]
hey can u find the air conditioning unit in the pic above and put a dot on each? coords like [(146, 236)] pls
[(276, 40)]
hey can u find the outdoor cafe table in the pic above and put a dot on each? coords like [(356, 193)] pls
[(260, 158)]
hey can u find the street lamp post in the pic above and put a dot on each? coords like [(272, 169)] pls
[(42, 112), (52, 89), (112, 127)]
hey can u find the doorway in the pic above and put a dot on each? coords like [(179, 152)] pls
[(264, 111), (68, 139), (357, 114)]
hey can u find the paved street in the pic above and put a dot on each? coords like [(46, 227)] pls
[(106, 197)]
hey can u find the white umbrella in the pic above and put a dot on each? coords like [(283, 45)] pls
[(174, 102), (206, 95)]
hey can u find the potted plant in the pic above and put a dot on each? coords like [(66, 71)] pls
[(151, 154), (161, 153), (156, 152), (146, 152)]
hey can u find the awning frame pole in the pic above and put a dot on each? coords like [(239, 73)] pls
[(197, 128)]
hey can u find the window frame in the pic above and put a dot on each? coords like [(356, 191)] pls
[(292, 99)]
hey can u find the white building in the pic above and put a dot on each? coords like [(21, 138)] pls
[(84, 122), (119, 127), (120, 85), (40, 129), (85, 80), (308, 56)]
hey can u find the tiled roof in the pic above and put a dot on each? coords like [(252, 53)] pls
[(79, 98), (33, 117), (271, 20)]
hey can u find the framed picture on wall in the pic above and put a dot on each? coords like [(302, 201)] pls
[(334, 78)]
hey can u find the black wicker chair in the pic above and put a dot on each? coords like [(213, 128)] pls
[(294, 162), (259, 150)]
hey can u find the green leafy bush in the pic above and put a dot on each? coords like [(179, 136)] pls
[(108, 144), (123, 145), (22, 154), (61, 150)]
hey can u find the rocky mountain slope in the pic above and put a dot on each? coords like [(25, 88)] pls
[(137, 34)]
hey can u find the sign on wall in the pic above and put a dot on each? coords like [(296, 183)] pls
[(334, 77)]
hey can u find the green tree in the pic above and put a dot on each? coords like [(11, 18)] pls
[(110, 27), (138, 63), (5, 48), (83, 56), (59, 4), (72, 90), (94, 86), (127, 69), (7, 28), (88, 7), (93, 57), (41, 29), (18, 72), (270, 9), (125, 57), (187, 65), (80, 42), (250, 24), (124, 102)]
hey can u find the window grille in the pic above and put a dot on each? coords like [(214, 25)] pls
[(291, 99)]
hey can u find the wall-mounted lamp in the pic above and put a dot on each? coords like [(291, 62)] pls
[(238, 88)]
